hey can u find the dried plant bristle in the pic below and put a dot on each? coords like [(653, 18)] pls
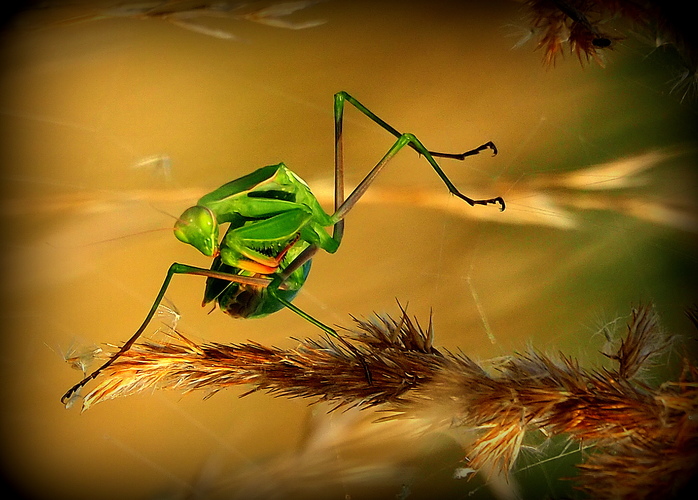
[(645, 438)]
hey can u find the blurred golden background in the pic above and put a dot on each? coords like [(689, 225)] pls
[(114, 121)]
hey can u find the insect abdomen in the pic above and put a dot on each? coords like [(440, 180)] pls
[(240, 300)]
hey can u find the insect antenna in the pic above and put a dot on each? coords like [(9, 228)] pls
[(130, 235)]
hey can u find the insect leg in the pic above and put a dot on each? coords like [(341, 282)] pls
[(273, 287), (338, 230), (402, 140), (174, 269), (463, 156), (340, 97), (301, 259)]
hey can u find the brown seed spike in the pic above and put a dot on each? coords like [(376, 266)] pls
[(644, 438)]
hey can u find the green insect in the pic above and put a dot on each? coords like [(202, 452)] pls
[(275, 227)]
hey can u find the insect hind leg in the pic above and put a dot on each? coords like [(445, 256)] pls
[(402, 140)]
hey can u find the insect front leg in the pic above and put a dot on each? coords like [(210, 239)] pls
[(260, 246)]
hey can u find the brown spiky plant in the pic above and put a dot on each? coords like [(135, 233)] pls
[(644, 438), (574, 23), (589, 28)]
